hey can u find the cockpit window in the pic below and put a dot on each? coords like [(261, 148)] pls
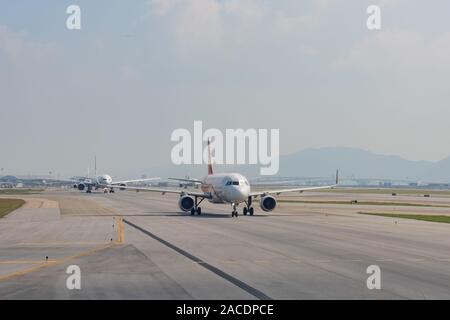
[(237, 183)]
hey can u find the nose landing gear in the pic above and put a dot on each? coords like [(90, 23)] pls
[(235, 212)]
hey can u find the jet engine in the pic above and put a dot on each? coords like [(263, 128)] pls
[(268, 203), (186, 203), (122, 185), (81, 186)]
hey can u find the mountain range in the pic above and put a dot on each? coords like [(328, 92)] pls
[(322, 162)]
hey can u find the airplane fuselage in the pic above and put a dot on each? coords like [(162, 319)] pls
[(226, 188), (89, 184)]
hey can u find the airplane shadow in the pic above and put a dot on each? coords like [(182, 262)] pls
[(181, 214), (204, 215)]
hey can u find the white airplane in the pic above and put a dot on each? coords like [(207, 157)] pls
[(104, 182), (231, 188)]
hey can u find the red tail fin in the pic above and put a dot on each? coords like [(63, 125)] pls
[(210, 168)]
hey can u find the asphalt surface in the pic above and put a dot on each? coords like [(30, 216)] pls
[(301, 251)]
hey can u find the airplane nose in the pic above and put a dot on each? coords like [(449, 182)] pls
[(238, 195)]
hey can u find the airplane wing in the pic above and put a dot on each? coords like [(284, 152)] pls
[(136, 180), (200, 194), (187, 180), (300, 189)]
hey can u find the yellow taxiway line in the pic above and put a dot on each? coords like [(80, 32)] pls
[(24, 261), (120, 230), (49, 263)]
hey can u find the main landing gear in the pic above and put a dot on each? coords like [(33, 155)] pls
[(196, 208), (248, 209)]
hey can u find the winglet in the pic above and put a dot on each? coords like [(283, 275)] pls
[(210, 168), (337, 177)]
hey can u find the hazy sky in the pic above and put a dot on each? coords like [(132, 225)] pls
[(137, 70)]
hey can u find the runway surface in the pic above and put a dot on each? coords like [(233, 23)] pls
[(301, 251)]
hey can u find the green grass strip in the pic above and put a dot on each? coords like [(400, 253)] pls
[(369, 203), (9, 205), (442, 219), (20, 191)]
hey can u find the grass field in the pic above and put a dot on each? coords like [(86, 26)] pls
[(9, 205), (20, 191), (442, 219), (368, 203), (398, 191)]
